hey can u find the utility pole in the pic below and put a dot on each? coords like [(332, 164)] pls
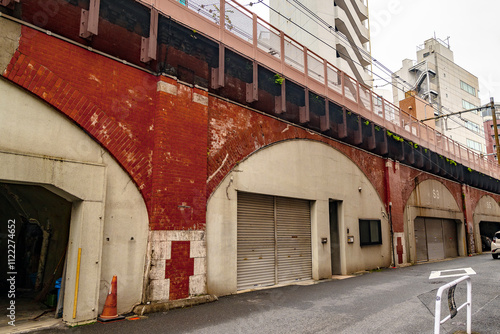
[(495, 127)]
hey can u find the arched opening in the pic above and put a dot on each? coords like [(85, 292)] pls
[(298, 202), (486, 222), (34, 230), (433, 224)]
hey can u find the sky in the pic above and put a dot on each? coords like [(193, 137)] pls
[(473, 28), (397, 27)]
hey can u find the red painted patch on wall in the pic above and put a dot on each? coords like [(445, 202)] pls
[(178, 269)]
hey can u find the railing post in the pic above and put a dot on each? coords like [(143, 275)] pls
[(222, 21), (282, 48), (358, 94), (306, 66), (468, 303), (325, 73), (255, 37), (342, 84)]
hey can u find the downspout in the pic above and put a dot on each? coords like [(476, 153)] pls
[(464, 206), (388, 207)]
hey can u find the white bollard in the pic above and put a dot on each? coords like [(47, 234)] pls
[(468, 303)]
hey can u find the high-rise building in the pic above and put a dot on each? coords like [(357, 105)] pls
[(446, 88), (336, 31)]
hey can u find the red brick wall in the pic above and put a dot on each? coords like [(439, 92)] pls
[(119, 106), (236, 132), (180, 159), (162, 140)]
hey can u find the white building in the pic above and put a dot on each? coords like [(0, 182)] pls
[(337, 31), (447, 88)]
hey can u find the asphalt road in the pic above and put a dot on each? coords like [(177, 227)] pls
[(386, 301)]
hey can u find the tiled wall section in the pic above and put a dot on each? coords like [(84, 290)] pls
[(161, 251)]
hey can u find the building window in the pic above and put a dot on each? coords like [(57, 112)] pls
[(474, 145), (467, 105), (472, 126), (468, 88), (370, 232)]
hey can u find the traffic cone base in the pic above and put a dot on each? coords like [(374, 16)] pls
[(104, 320), (109, 312)]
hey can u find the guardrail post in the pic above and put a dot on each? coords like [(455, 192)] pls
[(468, 303)]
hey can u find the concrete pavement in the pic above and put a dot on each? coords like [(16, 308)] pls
[(387, 301)]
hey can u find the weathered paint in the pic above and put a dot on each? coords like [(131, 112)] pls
[(179, 145), (302, 169)]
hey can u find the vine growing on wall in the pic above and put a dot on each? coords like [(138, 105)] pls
[(278, 79), (215, 13)]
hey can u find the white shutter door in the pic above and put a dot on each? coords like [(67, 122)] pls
[(293, 221), (256, 241)]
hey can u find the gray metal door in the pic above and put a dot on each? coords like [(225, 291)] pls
[(420, 239), (435, 244), (256, 241), (450, 238), (274, 240), (293, 231)]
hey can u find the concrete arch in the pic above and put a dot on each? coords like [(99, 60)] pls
[(302, 169), (431, 198), (109, 220), (487, 209)]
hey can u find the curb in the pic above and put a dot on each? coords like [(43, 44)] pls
[(172, 304)]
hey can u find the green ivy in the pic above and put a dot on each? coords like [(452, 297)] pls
[(397, 138), (451, 162), (278, 79)]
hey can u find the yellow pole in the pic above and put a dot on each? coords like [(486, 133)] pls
[(77, 281)]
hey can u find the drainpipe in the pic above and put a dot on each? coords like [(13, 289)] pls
[(388, 206), (464, 206)]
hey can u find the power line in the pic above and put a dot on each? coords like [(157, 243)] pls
[(329, 28)]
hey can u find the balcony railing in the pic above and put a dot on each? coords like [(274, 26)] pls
[(249, 35)]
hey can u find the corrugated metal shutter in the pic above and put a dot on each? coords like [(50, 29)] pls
[(435, 238), (274, 240), (420, 239), (450, 238), (293, 221), (256, 241), (435, 246)]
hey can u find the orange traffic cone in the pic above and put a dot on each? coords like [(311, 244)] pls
[(109, 312)]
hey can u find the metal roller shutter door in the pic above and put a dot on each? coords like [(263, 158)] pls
[(420, 239), (435, 238), (256, 241), (450, 238), (274, 240), (293, 221), (435, 245)]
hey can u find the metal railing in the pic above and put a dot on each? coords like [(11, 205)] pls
[(248, 34), (451, 304)]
